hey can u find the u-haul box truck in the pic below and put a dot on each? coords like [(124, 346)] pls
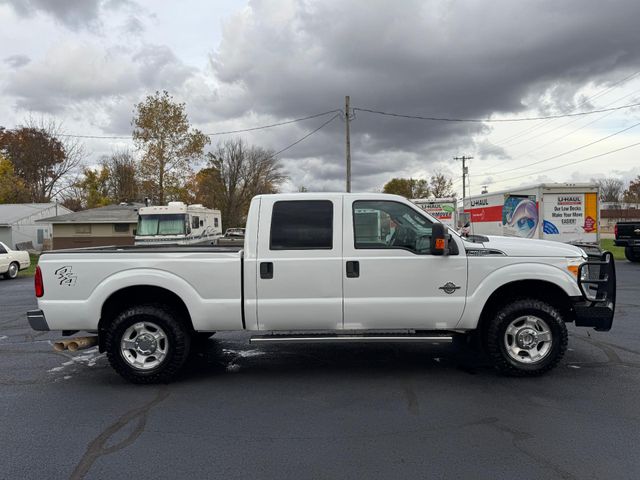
[(444, 209), (562, 212)]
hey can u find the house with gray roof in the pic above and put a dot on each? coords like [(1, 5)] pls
[(95, 227), (20, 225)]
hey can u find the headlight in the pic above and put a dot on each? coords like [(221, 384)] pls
[(573, 265)]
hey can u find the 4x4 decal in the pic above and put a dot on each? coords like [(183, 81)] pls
[(66, 276)]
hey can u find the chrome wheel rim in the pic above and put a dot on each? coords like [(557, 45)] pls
[(144, 345), (528, 339), (13, 270)]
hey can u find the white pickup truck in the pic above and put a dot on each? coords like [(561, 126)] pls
[(328, 268)]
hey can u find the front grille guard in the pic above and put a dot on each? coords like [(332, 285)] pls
[(598, 283)]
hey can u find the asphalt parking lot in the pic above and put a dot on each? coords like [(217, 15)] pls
[(347, 411)]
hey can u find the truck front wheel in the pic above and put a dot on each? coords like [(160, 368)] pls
[(147, 344), (631, 254), (526, 337)]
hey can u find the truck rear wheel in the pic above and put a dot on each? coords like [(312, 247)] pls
[(147, 344), (527, 337), (631, 254)]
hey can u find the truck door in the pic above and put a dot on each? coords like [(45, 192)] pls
[(299, 274), (390, 279)]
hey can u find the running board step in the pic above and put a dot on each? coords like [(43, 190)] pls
[(350, 338)]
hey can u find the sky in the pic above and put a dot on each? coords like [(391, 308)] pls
[(239, 64)]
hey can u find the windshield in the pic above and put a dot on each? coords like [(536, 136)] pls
[(172, 224)]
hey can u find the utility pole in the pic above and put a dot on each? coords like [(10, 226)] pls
[(348, 142), (465, 172)]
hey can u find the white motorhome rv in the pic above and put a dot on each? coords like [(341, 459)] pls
[(444, 209), (562, 212), (177, 224)]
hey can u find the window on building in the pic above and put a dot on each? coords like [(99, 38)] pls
[(83, 228), (40, 236), (302, 225), (121, 227), (390, 225)]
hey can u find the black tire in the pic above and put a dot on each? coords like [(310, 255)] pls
[(495, 338), (12, 272), (178, 338), (631, 254)]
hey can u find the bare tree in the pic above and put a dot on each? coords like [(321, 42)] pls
[(236, 173), (122, 183), (611, 189), (440, 185)]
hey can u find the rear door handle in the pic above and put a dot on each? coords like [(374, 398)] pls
[(353, 269), (266, 270)]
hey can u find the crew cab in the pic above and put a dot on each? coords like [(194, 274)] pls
[(12, 261), (328, 268), (628, 236)]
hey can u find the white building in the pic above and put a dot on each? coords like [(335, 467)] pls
[(18, 222)]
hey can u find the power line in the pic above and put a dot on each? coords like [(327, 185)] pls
[(496, 120), (564, 153), (572, 121), (567, 164), (510, 160), (228, 132), (584, 102), (306, 136)]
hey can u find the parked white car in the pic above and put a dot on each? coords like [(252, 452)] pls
[(12, 261)]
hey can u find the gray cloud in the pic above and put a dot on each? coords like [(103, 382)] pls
[(461, 59), (72, 73), (17, 61), (74, 14)]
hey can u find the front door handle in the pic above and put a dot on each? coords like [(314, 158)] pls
[(266, 270), (353, 269)]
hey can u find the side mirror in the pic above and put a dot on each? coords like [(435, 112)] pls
[(439, 240)]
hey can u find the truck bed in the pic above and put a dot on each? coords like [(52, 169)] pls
[(78, 282), (149, 249)]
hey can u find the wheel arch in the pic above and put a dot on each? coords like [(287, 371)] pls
[(137, 295), (538, 289)]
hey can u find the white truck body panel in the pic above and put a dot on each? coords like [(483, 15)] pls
[(561, 212), (396, 288), (305, 292), (77, 285)]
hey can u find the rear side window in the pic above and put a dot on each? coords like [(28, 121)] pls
[(302, 225)]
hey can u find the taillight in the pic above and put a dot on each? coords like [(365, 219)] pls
[(38, 282), (615, 230)]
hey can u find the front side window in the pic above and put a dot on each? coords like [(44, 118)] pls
[(195, 222), (172, 224), (385, 224), (302, 225)]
